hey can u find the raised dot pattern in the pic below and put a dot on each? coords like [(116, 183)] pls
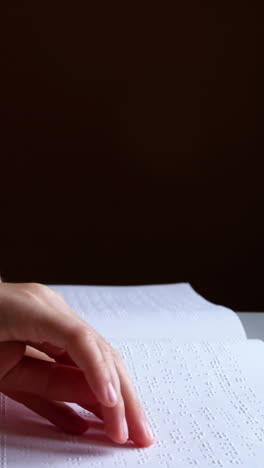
[(194, 316), (204, 403)]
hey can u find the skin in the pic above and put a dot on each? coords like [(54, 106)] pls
[(49, 356)]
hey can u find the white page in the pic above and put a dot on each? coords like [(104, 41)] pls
[(204, 402), (172, 311)]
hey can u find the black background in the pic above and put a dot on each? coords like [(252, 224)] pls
[(129, 149)]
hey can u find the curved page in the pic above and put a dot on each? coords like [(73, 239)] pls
[(152, 311)]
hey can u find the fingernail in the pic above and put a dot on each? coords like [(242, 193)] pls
[(111, 394), (124, 429), (148, 431)]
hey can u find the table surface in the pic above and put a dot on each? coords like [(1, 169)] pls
[(253, 323)]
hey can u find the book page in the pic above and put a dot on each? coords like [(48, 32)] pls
[(204, 402), (161, 311)]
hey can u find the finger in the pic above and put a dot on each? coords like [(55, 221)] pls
[(56, 412), (81, 345), (139, 429), (78, 345), (52, 322), (10, 355), (115, 424), (35, 353), (39, 350), (62, 356), (114, 418), (50, 295), (48, 380)]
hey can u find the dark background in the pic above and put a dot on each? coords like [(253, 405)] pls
[(129, 150)]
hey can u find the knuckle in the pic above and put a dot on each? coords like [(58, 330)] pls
[(38, 292), (31, 290), (105, 347), (100, 371), (50, 291), (35, 287), (116, 355), (100, 364), (55, 294), (81, 333), (38, 288)]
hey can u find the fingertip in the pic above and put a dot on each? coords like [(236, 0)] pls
[(150, 442), (143, 436), (148, 431), (144, 444)]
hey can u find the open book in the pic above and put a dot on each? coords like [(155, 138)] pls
[(200, 380)]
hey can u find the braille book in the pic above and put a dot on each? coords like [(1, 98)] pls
[(201, 383)]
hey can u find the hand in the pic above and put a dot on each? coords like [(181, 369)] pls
[(82, 367)]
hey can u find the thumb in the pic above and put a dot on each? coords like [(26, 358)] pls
[(11, 354)]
